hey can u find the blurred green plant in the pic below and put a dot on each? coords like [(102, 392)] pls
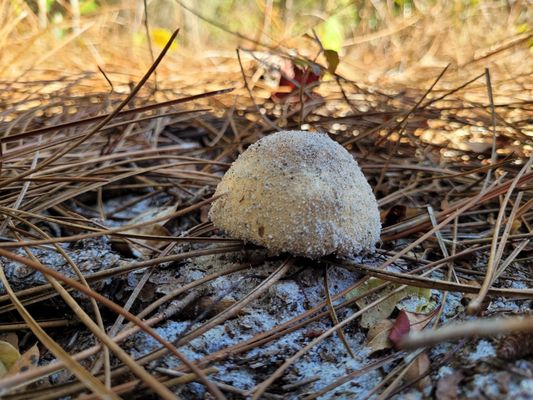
[(211, 23), (88, 7)]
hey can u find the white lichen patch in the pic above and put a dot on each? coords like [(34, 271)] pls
[(302, 289), (483, 350)]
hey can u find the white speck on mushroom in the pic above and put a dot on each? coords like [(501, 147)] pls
[(301, 193)]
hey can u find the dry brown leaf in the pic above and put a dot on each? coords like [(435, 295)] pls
[(378, 336), (418, 321), (418, 368), (27, 361), (156, 229), (11, 338)]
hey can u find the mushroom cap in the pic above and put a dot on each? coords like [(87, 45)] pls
[(298, 192)]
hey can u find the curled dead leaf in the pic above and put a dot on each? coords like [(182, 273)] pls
[(155, 229), (11, 338), (27, 361), (378, 336), (418, 370)]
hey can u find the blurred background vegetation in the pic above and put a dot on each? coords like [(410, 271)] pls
[(375, 38)]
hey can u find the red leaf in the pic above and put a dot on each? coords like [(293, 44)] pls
[(292, 78), (400, 328), (305, 76)]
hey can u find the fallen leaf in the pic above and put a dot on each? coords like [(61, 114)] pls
[(11, 338), (407, 322), (401, 328), (294, 77), (417, 369), (378, 336), (27, 361), (332, 58), (155, 229), (418, 321), (384, 309), (448, 386), (313, 333), (8, 357), (204, 213)]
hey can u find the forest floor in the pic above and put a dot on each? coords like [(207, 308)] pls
[(106, 181)]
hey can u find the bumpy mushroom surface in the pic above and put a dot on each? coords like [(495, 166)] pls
[(301, 193)]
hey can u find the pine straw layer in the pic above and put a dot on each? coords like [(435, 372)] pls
[(457, 161)]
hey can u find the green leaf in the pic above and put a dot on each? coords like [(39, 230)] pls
[(384, 309), (49, 4), (332, 58), (378, 336), (331, 33), (8, 356), (88, 7)]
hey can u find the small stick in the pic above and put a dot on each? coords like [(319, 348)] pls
[(476, 328)]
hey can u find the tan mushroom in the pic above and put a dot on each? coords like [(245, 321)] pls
[(301, 193)]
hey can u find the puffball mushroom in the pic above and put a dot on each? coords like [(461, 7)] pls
[(298, 192)]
